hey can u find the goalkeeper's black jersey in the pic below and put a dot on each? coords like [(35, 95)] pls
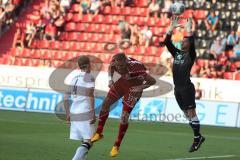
[(182, 63)]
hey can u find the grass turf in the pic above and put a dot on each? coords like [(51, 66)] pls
[(36, 136)]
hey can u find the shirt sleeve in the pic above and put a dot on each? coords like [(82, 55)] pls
[(90, 81), (171, 48), (192, 50)]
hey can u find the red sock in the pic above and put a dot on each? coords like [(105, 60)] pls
[(122, 130), (103, 116)]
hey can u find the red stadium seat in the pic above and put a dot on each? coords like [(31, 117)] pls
[(140, 50), (228, 75), (142, 3), (68, 17), (82, 27), (99, 19), (126, 11), (88, 18), (116, 10), (44, 44), (26, 53), (237, 76), (73, 36), (107, 10), (55, 45), (71, 26), (55, 63), (77, 18)]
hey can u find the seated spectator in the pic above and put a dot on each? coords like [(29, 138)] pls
[(50, 32), (126, 32), (166, 8), (120, 3), (230, 67), (65, 4), (146, 36), (135, 35), (212, 21), (217, 48), (18, 40), (232, 40), (30, 33), (85, 5), (107, 3), (153, 8), (236, 50), (95, 7)]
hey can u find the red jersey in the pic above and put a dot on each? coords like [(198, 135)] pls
[(136, 70)]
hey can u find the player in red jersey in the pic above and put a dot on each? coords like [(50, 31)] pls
[(130, 85)]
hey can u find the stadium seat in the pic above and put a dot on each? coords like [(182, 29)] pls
[(228, 75), (68, 17), (126, 11), (98, 19), (142, 3), (55, 45), (87, 18), (237, 76), (77, 18), (107, 10), (115, 10), (82, 27)]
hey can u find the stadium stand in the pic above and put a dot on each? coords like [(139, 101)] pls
[(63, 35)]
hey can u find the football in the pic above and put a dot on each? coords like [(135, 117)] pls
[(177, 8)]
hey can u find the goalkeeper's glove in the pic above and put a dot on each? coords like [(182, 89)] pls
[(174, 23), (188, 25)]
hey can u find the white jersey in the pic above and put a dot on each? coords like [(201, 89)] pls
[(79, 90)]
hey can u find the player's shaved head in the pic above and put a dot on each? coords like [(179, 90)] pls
[(83, 62), (119, 57)]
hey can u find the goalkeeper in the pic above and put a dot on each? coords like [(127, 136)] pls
[(184, 90)]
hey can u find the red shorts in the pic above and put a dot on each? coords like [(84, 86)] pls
[(121, 88)]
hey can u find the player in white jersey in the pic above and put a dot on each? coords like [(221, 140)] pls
[(80, 114)]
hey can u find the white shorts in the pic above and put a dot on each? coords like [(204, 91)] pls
[(81, 130)]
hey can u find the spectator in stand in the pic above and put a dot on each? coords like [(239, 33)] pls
[(135, 35), (153, 9), (107, 3), (146, 36), (212, 21), (230, 67), (2, 19), (30, 33), (65, 4), (217, 47), (232, 40), (236, 50), (199, 91), (50, 32), (95, 7), (166, 8), (126, 32), (85, 5), (18, 40)]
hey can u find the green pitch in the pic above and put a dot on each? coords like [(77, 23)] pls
[(35, 136)]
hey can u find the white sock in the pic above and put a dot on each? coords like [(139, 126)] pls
[(195, 119), (81, 152)]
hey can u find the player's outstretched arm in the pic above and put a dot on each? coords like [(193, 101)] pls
[(167, 41), (188, 27)]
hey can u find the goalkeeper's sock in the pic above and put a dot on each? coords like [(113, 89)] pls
[(81, 152), (194, 123), (122, 130), (103, 116)]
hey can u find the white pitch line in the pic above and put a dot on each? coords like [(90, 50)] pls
[(211, 157)]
